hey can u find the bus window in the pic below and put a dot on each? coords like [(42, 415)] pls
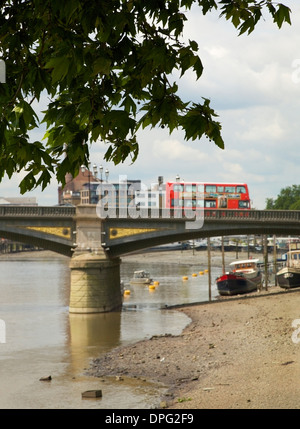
[(200, 188), (241, 189), (176, 202), (210, 188), (189, 203), (230, 189), (244, 204), (210, 204), (200, 202), (220, 188), (177, 188), (190, 188)]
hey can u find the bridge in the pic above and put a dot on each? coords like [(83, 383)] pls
[(96, 244), (51, 228), (121, 235)]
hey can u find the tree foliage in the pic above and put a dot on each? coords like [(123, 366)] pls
[(288, 199), (107, 69)]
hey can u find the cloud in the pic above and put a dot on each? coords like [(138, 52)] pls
[(177, 151)]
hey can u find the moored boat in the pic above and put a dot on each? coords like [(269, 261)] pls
[(289, 276), (141, 277), (244, 277)]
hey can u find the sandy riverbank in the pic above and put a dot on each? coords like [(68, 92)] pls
[(187, 257), (235, 353), (31, 255)]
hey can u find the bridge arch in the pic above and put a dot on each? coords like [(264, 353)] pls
[(121, 236), (51, 228)]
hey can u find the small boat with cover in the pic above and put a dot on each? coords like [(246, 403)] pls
[(289, 276), (141, 277)]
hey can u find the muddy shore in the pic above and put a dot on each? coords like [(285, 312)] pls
[(236, 353)]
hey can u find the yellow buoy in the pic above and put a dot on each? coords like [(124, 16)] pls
[(151, 287), (156, 283), (201, 273), (206, 271), (185, 278), (126, 292), (194, 275)]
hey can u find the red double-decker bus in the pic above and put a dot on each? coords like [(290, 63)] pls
[(210, 195)]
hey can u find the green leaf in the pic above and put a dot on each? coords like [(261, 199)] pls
[(30, 117), (193, 45), (102, 65), (282, 15), (59, 66), (247, 25), (198, 121), (129, 104)]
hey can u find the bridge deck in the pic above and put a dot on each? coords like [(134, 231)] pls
[(121, 235), (125, 230)]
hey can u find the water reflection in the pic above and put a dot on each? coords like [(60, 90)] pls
[(92, 335), (100, 330)]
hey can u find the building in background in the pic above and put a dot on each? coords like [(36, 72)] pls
[(118, 194), (70, 194), (88, 188)]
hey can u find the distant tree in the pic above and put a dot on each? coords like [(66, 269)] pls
[(288, 199), (107, 69), (269, 204), (295, 205)]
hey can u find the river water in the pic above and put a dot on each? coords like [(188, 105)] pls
[(38, 336)]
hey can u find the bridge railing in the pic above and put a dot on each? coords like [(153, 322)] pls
[(154, 213), (254, 215), (238, 215), (37, 211)]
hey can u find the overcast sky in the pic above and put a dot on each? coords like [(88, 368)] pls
[(253, 83)]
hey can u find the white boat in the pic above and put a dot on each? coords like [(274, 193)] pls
[(141, 277), (289, 276)]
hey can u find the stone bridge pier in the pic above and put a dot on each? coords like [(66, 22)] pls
[(95, 279)]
